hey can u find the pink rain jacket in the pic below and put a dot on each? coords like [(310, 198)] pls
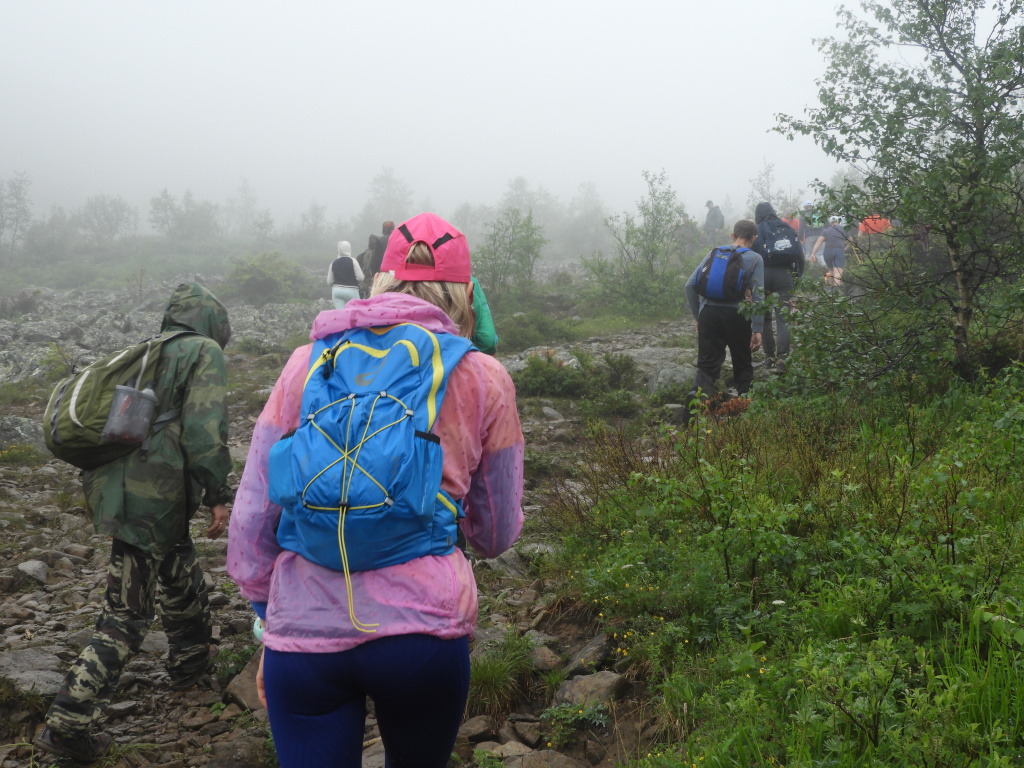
[(478, 425)]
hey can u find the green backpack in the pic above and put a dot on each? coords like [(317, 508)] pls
[(105, 411)]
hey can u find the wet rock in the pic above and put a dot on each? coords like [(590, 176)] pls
[(244, 752), (477, 729), (242, 689), (36, 570), (511, 749), (509, 563), (80, 550), (155, 642), (33, 669), (15, 430), (671, 375), (507, 733), (544, 659), (123, 709), (528, 732), (590, 657), (551, 414), (599, 688), (198, 720), (487, 638), (52, 558)]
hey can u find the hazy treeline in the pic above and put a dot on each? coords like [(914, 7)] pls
[(107, 237)]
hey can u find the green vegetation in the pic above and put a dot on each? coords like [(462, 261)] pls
[(829, 578), (267, 278), (230, 661), (20, 455), (565, 719), (506, 259), (500, 676), (533, 328), (644, 275), (937, 144)]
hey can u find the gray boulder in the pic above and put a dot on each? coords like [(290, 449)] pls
[(590, 657), (599, 688), (33, 669), (36, 570), (14, 430)]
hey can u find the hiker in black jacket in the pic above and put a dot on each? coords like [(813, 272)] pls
[(779, 246)]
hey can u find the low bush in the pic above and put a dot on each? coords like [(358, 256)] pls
[(531, 329), (20, 455), (269, 278)]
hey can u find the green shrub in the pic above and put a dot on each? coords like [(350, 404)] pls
[(609, 384), (565, 719), (268, 278), (531, 329), (548, 377)]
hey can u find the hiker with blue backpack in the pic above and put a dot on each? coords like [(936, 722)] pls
[(727, 277), (379, 442)]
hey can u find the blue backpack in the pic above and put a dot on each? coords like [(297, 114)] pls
[(359, 480), (721, 276)]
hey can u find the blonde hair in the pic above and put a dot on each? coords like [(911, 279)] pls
[(453, 298)]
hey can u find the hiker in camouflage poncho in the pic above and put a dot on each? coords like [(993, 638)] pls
[(145, 502)]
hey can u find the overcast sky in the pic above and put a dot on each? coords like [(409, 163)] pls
[(310, 100)]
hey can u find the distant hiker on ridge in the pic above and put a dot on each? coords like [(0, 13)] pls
[(714, 223)]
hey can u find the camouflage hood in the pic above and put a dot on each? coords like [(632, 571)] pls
[(192, 307)]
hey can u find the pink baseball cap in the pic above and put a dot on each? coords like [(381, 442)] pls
[(446, 243)]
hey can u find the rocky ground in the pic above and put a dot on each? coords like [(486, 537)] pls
[(52, 568)]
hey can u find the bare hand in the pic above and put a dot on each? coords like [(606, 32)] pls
[(219, 524), (260, 691), (755, 342)]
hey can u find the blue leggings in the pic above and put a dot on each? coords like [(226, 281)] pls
[(317, 701)]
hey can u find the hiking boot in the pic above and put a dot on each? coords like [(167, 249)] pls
[(199, 677), (84, 749)]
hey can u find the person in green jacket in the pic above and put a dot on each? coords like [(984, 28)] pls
[(144, 502), (485, 338)]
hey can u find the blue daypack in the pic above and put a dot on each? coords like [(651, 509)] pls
[(359, 480), (721, 276)]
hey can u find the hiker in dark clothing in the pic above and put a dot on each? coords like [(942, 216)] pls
[(370, 259), (783, 255), (714, 223)]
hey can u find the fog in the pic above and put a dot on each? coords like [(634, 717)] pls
[(310, 101)]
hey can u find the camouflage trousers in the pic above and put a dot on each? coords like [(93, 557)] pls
[(135, 582)]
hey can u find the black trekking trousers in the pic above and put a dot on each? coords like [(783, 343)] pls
[(722, 327)]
